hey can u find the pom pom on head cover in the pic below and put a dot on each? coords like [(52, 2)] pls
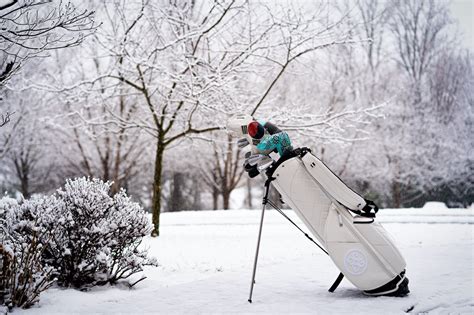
[(255, 130)]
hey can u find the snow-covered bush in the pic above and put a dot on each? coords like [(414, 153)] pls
[(99, 237), (81, 236), (22, 235)]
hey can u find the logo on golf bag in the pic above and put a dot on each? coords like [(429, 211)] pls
[(355, 262)]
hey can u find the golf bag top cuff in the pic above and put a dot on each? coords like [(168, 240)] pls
[(285, 157)]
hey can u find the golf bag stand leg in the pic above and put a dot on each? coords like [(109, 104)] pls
[(264, 203)]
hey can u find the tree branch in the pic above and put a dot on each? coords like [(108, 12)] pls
[(6, 6), (5, 119), (189, 131)]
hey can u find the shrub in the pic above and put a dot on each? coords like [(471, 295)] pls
[(23, 275), (100, 235), (80, 237)]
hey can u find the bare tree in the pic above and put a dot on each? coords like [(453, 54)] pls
[(185, 190), (449, 79), (225, 171), (109, 152), (26, 165), (374, 15), (450, 124), (186, 63), (368, 78), (418, 29), (30, 29)]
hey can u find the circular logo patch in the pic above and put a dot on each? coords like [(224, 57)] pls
[(355, 262)]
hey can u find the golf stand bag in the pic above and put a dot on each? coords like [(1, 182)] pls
[(342, 222)]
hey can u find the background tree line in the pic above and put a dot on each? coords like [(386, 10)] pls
[(137, 92)]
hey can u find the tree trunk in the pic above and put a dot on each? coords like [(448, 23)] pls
[(22, 171), (116, 170), (215, 192), (225, 199), (196, 194), (177, 201), (396, 194), (156, 203), (25, 187)]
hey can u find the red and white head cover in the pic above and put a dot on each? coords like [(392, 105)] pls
[(255, 130)]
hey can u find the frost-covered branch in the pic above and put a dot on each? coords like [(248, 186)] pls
[(32, 28), (5, 118)]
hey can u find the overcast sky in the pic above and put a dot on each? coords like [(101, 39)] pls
[(463, 10)]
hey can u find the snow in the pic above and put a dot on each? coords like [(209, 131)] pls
[(206, 264), (435, 205)]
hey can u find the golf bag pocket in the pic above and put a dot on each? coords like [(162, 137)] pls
[(363, 253)]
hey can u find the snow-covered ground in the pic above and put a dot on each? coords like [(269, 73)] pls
[(206, 263)]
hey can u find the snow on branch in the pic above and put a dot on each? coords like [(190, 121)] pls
[(32, 28), (5, 118)]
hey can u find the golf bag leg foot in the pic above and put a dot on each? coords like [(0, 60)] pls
[(397, 287)]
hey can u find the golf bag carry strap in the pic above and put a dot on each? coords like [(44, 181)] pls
[(334, 186)]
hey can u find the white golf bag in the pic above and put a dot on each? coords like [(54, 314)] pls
[(343, 223)]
